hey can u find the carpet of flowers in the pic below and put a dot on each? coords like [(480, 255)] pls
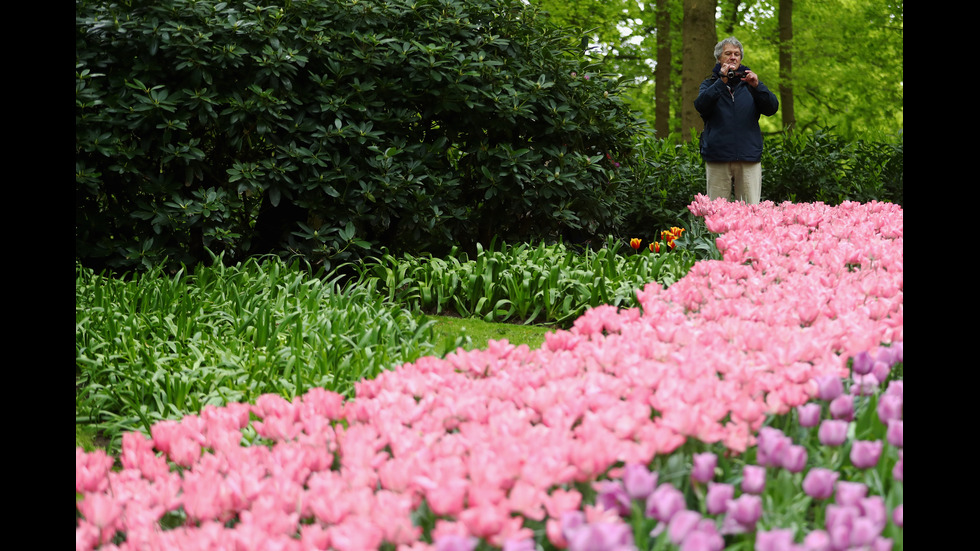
[(524, 449)]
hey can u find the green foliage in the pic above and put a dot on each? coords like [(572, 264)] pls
[(334, 128), (153, 346), (550, 284)]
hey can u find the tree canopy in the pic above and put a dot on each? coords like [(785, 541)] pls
[(847, 55)]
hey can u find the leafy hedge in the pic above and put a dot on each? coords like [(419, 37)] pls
[(334, 127)]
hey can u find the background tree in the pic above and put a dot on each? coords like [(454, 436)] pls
[(700, 37), (844, 68), (786, 64)]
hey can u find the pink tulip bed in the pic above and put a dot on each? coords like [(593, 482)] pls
[(754, 404)]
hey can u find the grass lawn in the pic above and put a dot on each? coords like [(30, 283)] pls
[(470, 333)]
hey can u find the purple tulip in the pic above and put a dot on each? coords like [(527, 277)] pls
[(873, 507), (601, 535), (453, 542), (771, 446), (881, 544), (894, 433), (817, 540), (794, 460), (829, 387), (753, 479), (774, 540), (862, 363), (612, 496), (703, 540), (881, 370), (638, 481), (832, 432), (819, 483), (745, 510), (719, 495), (842, 407), (839, 522), (865, 453), (681, 524), (850, 493), (809, 414), (703, 469), (864, 385), (526, 544), (889, 407), (664, 502), (863, 531), (895, 388)]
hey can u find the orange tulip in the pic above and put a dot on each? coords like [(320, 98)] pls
[(635, 243), (655, 247)]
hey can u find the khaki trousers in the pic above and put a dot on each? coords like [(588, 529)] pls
[(746, 178)]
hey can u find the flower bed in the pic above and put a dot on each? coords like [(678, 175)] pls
[(504, 445)]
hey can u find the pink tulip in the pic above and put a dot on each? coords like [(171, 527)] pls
[(898, 516)]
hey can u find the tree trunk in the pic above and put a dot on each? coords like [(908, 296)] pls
[(786, 63), (661, 74), (699, 39)]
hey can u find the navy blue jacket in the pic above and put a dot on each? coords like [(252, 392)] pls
[(731, 118)]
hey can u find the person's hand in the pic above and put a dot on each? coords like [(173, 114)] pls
[(725, 67), (751, 78)]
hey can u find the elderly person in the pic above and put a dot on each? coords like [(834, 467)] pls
[(730, 102)]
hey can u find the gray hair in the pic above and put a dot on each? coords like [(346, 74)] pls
[(731, 40)]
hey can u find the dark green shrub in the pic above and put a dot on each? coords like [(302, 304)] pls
[(669, 174), (821, 166), (335, 127)]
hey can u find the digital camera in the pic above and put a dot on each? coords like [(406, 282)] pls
[(735, 74)]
